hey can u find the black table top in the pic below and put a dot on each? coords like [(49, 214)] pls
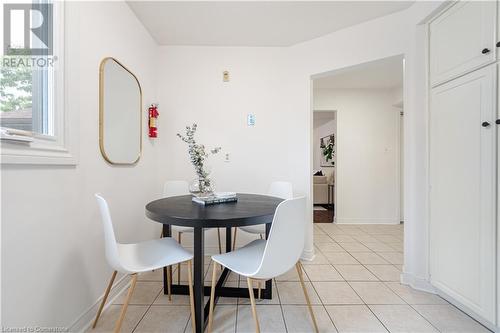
[(251, 209)]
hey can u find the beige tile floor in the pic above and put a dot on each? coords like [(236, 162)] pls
[(352, 282)]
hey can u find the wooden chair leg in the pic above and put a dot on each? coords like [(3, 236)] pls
[(119, 322), (259, 284), (170, 275), (179, 239), (220, 245), (254, 308), (212, 296), (301, 278), (104, 299), (218, 237), (234, 239), (191, 296), (169, 283)]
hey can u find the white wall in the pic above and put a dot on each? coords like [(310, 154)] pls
[(191, 90), (319, 132), (53, 265), (367, 167)]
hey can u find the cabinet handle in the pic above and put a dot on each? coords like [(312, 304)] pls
[(497, 121), (485, 124), (498, 44), (485, 51)]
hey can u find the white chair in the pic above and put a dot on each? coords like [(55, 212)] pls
[(138, 258), (264, 260), (174, 188), (277, 189)]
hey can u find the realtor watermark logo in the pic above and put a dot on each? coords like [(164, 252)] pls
[(28, 29), (28, 35)]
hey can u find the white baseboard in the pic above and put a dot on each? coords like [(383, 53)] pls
[(84, 322), (425, 285), (417, 283), (354, 220), (468, 311)]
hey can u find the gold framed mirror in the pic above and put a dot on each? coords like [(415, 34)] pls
[(120, 113)]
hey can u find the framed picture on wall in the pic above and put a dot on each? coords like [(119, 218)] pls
[(327, 148)]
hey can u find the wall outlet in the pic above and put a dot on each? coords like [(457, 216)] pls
[(226, 158)]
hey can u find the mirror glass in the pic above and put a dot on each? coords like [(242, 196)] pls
[(120, 106)]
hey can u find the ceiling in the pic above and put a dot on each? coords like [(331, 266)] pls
[(322, 117), (380, 74), (254, 23)]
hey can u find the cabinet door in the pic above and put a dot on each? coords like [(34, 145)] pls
[(462, 192), (462, 38)]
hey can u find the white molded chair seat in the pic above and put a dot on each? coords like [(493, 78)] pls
[(150, 255), (244, 261)]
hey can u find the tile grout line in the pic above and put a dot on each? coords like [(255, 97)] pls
[(145, 313), (324, 307), (237, 307), (427, 320), (447, 304), (367, 306), (281, 305)]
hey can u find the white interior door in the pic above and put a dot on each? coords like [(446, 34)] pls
[(462, 193), (462, 39)]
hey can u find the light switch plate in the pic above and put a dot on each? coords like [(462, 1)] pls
[(250, 119)]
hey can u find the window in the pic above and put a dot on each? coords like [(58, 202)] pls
[(33, 120), (27, 99)]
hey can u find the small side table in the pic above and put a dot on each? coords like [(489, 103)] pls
[(330, 194)]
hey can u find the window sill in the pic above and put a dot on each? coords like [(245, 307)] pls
[(36, 152)]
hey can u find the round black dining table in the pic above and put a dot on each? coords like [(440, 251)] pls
[(250, 209)]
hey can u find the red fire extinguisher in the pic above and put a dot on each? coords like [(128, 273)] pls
[(153, 114)]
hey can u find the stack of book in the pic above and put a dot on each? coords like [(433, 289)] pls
[(217, 198)]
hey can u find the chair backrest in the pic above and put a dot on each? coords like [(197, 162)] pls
[(282, 190), (110, 243), (286, 239), (174, 188)]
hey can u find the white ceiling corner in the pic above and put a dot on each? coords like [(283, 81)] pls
[(254, 23)]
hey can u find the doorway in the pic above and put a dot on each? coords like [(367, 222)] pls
[(363, 107), (324, 154)]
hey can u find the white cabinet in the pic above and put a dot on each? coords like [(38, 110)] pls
[(463, 190), (462, 39)]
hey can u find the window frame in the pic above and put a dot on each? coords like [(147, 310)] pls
[(59, 148)]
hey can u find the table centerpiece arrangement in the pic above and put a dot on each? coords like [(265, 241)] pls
[(202, 187)]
